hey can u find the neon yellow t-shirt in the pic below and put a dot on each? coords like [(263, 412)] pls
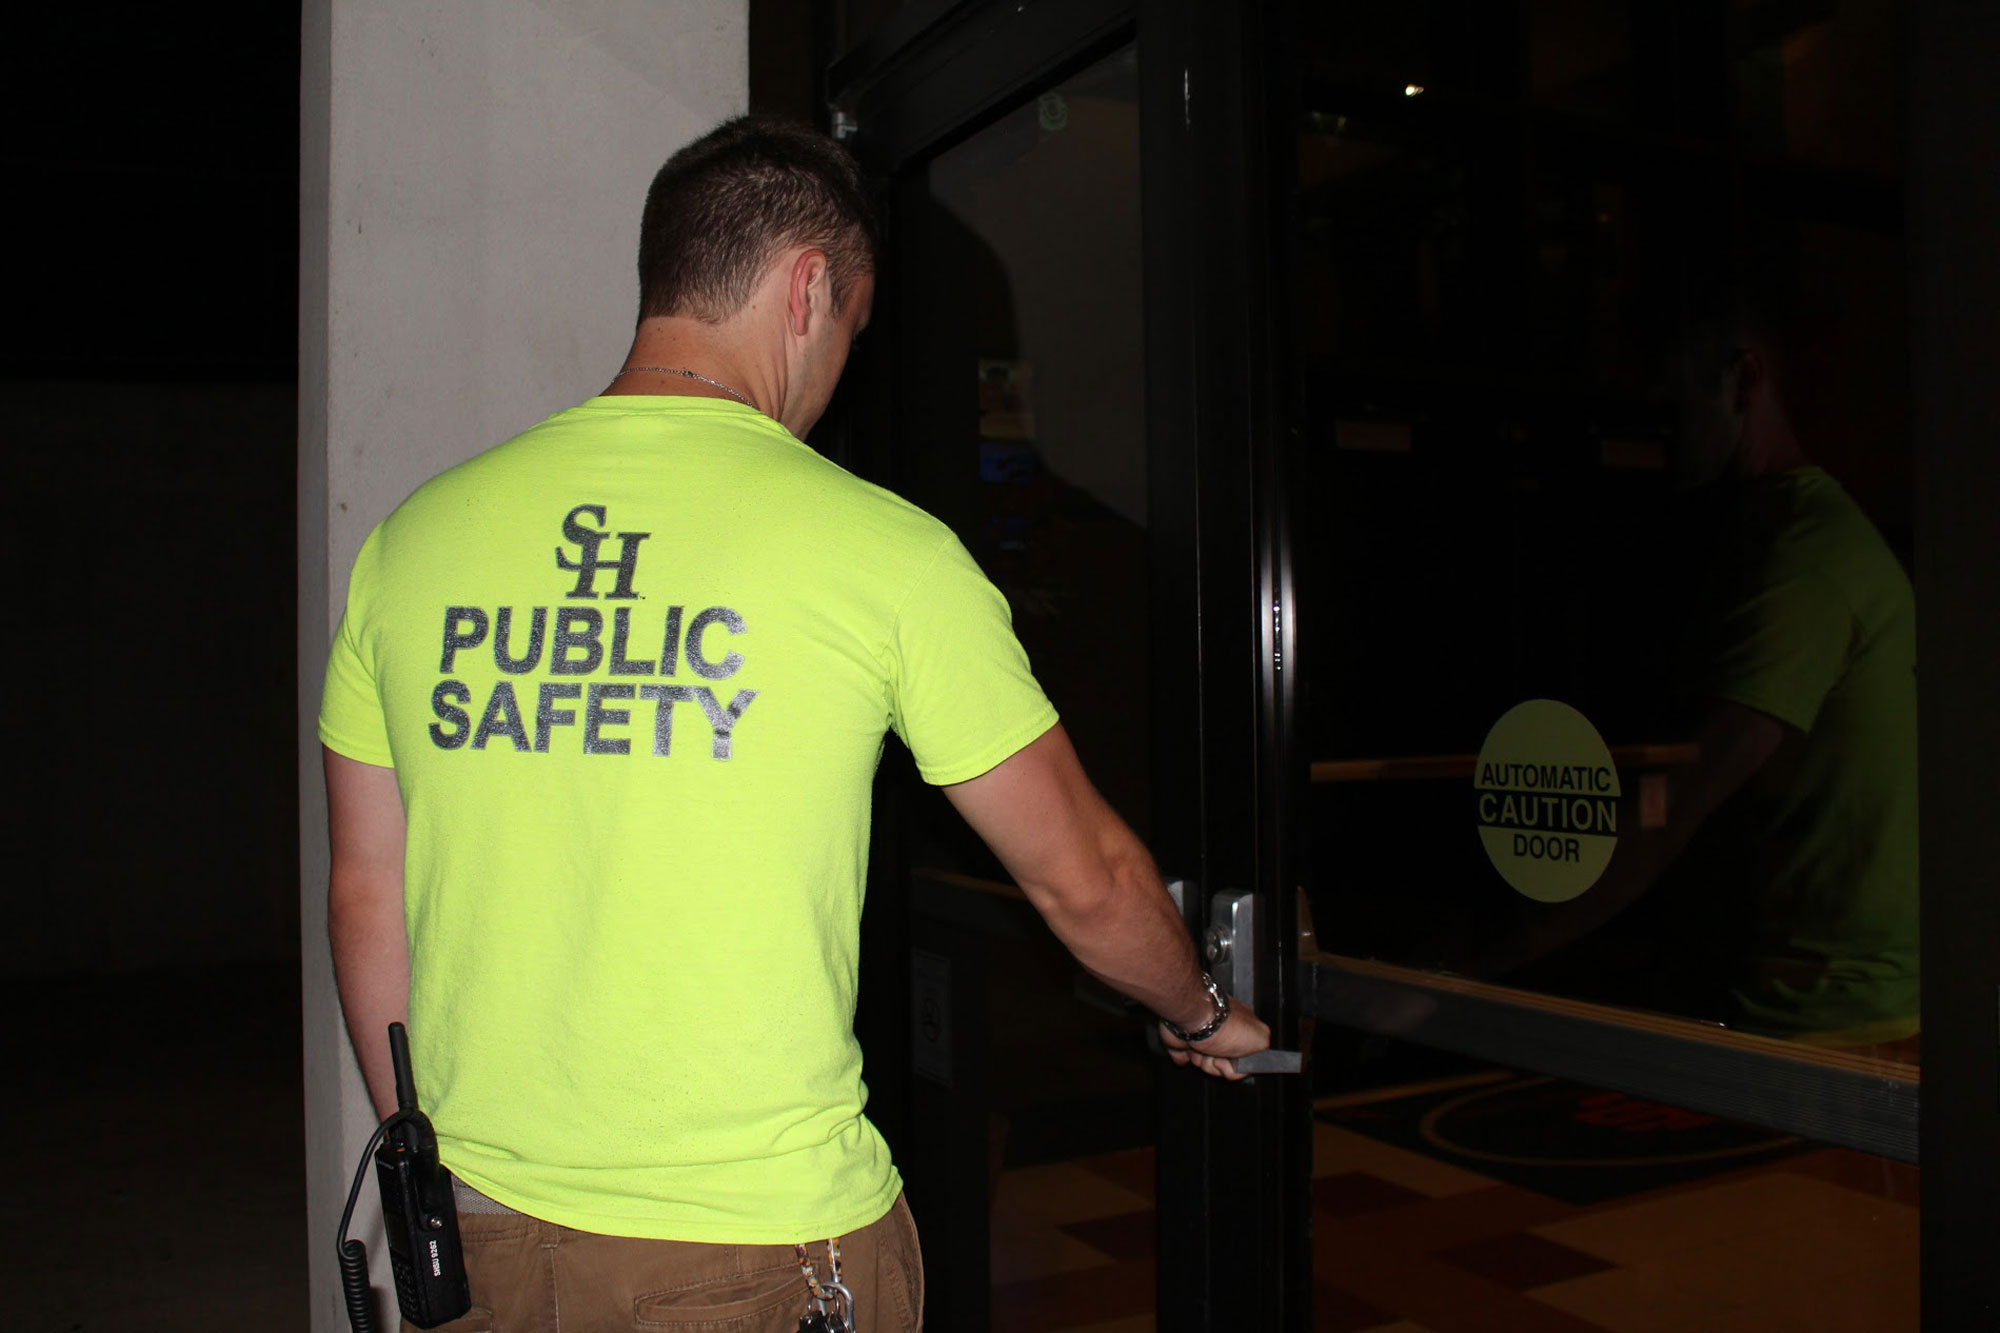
[(634, 669), (1815, 861)]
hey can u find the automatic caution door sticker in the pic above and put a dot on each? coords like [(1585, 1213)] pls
[(1546, 796)]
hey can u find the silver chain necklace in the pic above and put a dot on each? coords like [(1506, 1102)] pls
[(687, 374)]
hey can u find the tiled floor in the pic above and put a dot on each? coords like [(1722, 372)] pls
[(1405, 1242)]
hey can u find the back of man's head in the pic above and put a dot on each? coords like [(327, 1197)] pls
[(724, 206)]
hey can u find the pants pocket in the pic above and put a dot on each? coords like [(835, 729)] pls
[(773, 1299), (903, 1266)]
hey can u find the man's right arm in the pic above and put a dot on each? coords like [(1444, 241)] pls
[(371, 952), (1095, 884)]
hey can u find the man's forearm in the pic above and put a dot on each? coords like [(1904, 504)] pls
[(1093, 881), (1130, 937), (364, 912), (1126, 931), (371, 968)]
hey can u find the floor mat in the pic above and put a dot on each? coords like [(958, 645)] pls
[(1579, 1144)]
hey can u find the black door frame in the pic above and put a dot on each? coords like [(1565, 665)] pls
[(1953, 211), (1235, 1161)]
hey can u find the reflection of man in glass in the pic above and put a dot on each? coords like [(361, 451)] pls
[(1805, 795), (1787, 866)]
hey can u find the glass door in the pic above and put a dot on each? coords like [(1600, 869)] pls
[(1604, 503)]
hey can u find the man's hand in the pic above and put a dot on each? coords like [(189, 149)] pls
[(1095, 884), (1243, 1034)]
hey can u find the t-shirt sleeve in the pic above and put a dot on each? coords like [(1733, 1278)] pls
[(961, 694), (351, 721), (1782, 649)]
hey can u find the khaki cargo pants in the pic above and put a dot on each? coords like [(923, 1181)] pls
[(529, 1276)]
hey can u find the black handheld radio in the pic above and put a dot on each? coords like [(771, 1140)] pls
[(417, 1210)]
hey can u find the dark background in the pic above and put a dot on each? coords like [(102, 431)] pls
[(148, 375), (154, 1149)]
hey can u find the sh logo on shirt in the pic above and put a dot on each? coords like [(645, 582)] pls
[(558, 643)]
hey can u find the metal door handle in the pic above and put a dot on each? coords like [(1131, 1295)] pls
[(1229, 947), (1271, 1062)]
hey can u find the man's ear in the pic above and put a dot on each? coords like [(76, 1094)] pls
[(808, 274)]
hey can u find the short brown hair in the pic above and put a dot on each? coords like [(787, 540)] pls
[(723, 206)]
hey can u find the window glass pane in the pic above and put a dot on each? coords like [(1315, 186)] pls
[(1024, 428), (1602, 361), (1608, 637), (1044, 471)]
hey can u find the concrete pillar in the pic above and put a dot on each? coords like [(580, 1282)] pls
[(471, 177)]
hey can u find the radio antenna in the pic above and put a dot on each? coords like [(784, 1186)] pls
[(399, 1057)]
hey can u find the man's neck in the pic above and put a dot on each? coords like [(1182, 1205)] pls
[(682, 357)]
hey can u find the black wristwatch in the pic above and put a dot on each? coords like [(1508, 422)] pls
[(1214, 1024)]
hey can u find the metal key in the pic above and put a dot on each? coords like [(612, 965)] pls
[(816, 1322)]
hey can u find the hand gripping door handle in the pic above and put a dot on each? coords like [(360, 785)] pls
[(1230, 948)]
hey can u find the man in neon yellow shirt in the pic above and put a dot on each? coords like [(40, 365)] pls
[(600, 723), (1783, 882), (1798, 878)]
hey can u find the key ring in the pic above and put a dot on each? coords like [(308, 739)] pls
[(846, 1306), (846, 1296), (841, 1297)]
